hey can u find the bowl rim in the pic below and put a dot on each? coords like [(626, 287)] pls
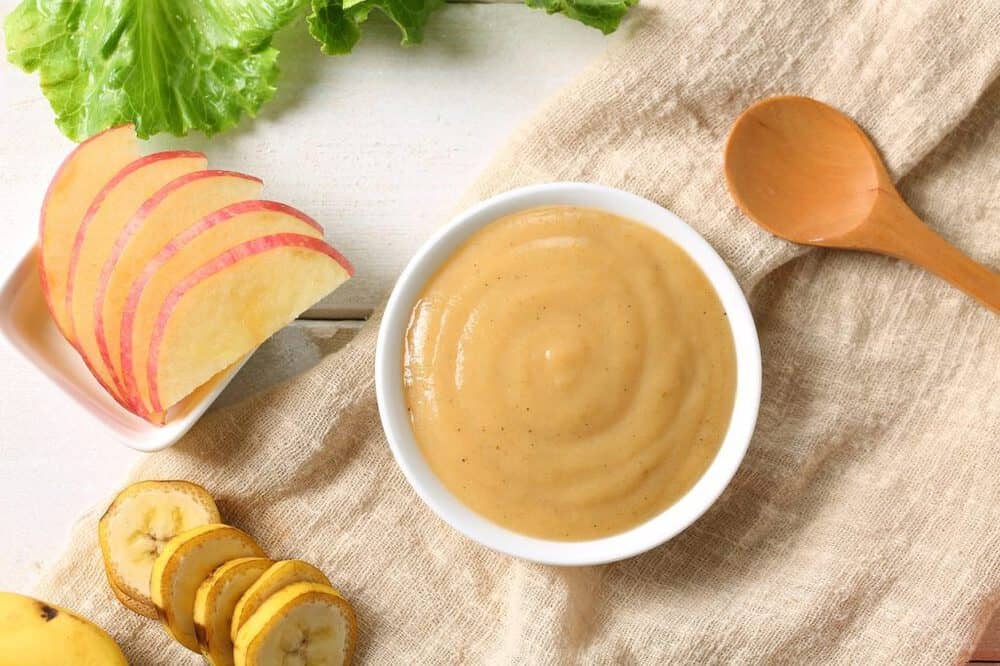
[(392, 408)]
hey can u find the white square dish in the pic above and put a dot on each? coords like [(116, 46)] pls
[(27, 326)]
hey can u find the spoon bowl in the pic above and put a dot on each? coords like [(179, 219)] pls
[(801, 169), (807, 173)]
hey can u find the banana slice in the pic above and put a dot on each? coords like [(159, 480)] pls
[(308, 624), (214, 604), (186, 561), (139, 522), (134, 605), (280, 575)]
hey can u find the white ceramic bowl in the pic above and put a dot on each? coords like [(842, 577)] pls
[(28, 328), (392, 407)]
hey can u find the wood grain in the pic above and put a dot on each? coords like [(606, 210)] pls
[(392, 136), (389, 138), (807, 173), (377, 145)]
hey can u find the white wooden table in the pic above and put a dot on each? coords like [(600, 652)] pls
[(377, 145)]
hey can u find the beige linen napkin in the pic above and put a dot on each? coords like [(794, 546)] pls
[(862, 527)]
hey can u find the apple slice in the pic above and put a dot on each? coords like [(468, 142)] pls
[(104, 220), (77, 181), (231, 304), (161, 217), (207, 238), (186, 561)]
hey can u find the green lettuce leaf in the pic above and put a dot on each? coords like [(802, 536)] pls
[(605, 15), (165, 65), (336, 24)]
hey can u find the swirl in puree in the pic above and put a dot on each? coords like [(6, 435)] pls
[(569, 374)]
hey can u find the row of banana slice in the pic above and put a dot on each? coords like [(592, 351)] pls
[(168, 556)]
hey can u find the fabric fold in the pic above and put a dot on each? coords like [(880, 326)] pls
[(861, 527)]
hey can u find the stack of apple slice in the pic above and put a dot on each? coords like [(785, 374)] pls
[(162, 273), (168, 556)]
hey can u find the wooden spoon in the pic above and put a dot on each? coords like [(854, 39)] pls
[(807, 173)]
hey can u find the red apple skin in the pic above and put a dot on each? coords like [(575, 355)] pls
[(220, 262), (46, 200), (133, 226), (223, 215), (81, 233)]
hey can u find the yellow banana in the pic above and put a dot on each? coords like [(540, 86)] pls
[(40, 634)]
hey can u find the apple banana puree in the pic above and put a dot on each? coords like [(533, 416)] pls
[(569, 373)]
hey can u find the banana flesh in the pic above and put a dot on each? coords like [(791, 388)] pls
[(184, 564), (168, 556), (141, 520), (214, 604), (279, 575), (306, 624)]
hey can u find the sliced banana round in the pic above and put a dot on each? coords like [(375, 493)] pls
[(306, 623), (215, 601), (134, 605), (280, 575), (139, 523), (186, 561)]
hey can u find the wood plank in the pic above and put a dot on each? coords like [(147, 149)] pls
[(377, 145), (289, 352), (77, 463), (389, 136), (403, 130)]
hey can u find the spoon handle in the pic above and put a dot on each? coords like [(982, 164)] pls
[(896, 230)]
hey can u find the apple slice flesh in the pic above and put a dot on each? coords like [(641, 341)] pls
[(77, 181), (104, 220), (207, 238), (231, 304), (161, 217)]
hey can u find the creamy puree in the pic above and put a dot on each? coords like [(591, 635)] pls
[(569, 374)]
